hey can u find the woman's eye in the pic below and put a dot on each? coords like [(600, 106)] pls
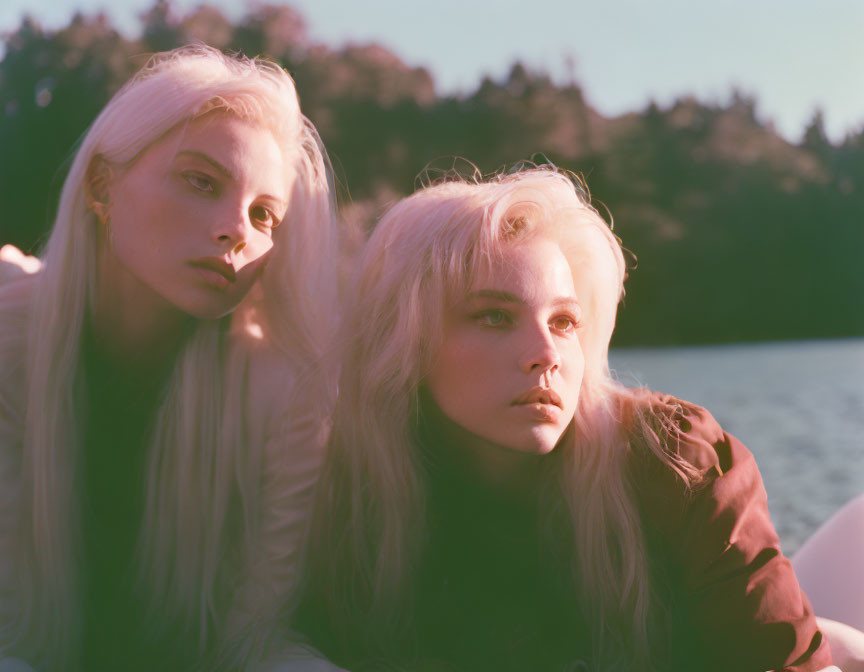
[(263, 217), (200, 182), (493, 318), (564, 324)]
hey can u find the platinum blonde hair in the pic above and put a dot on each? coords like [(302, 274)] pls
[(369, 521), (199, 460)]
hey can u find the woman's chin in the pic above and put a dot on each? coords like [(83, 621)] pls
[(208, 307), (537, 440)]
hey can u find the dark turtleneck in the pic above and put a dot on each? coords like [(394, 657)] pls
[(488, 596), (121, 404)]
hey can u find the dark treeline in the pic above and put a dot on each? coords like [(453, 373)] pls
[(740, 235)]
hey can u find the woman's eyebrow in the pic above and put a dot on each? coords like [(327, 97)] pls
[(209, 159), (495, 294), (507, 297), (566, 301)]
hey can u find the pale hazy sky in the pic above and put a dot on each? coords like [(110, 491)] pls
[(793, 55)]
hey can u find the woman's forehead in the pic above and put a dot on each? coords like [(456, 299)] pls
[(524, 268)]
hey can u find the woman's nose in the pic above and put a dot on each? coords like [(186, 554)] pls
[(232, 232), (540, 354)]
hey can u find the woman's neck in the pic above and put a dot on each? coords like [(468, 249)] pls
[(133, 326)]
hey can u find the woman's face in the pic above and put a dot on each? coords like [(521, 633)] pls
[(192, 217), (510, 365)]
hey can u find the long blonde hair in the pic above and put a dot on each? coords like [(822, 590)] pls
[(199, 459), (369, 521)]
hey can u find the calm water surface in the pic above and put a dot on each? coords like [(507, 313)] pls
[(799, 407)]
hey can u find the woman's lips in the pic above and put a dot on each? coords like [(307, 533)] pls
[(215, 271), (539, 395), (543, 412), (540, 403)]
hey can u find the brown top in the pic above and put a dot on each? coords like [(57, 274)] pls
[(740, 602)]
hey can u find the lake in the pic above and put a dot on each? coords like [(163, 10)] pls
[(798, 406)]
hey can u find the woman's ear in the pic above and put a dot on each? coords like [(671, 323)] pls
[(98, 185)]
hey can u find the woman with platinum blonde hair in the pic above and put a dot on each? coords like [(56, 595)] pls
[(160, 411), (492, 499)]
